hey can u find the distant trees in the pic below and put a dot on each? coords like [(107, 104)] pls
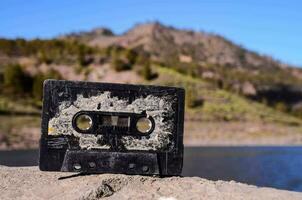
[(146, 72), (131, 56), (190, 60), (191, 99), (83, 54), (142, 58), (121, 59), (37, 87), (19, 83), (117, 61), (281, 106), (15, 80), (125, 59), (297, 112), (43, 57), (48, 51), (119, 65)]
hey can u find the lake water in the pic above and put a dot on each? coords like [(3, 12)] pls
[(278, 167)]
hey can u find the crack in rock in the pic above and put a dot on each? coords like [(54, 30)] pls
[(107, 188)]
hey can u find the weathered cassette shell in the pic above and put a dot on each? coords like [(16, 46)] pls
[(112, 140)]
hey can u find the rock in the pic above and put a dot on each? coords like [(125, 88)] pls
[(30, 183), (185, 58), (208, 75), (248, 89)]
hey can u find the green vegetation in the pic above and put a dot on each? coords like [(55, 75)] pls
[(119, 65), (192, 100), (15, 80), (131, 56), (280, 106), (146, 71), (214, 92), (48, 51), (144, 68), (71, 53), (219, 104), (275, 86), (122, 59), (82, 54), (17, 83), (9, 105), (37, 87)]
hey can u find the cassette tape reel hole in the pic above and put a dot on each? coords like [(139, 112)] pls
[(83, 122), (144, 125)]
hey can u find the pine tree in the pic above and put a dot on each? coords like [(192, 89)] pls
[(147, 73), (15, 80)]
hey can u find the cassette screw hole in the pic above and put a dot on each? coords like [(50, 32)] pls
[(144, 125), (131, 166), (91, 164), (84, 122), (145, 168), (77, 166), (105, 163)]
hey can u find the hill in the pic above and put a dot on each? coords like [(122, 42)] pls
[(210, 57), (234, 96)]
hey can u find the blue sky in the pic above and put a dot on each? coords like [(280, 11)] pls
[(270, 27)]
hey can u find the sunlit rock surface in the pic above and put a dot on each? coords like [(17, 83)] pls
[(30, 183)]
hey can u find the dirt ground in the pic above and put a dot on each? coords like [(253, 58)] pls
[(240, 133), (30, 183)]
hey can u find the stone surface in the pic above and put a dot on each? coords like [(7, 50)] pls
[(30, 183)]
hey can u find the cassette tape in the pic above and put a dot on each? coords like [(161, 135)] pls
[(111, 128)]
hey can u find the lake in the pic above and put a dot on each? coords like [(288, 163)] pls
[(278, 167)]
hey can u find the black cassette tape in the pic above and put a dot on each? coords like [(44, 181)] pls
[(112, 128)]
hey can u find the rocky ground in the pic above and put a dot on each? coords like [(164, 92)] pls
[(30, 183)]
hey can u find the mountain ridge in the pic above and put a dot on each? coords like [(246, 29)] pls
[(208, 56), (145, 33)]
